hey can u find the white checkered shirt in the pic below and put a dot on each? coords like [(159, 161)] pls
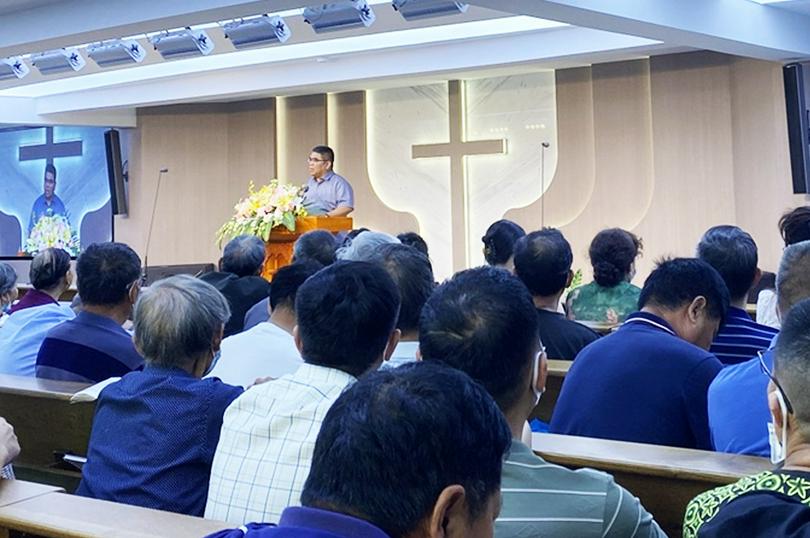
[(266, 445)]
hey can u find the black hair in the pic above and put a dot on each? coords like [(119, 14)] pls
[(50, 168), (676, 282), (350, 235), (396, 439), (794, 226), (413, 274), (499, 241), (346, 313), (543, 261), (483, 322), (317, 245), (288, 279), (105, 272), (326, 152), (792, 359), (243, 256), (414, 240), (733, 253), (49, 267), (612, 253)]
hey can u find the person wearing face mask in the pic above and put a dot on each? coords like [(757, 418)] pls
[(154, 432), (483, 322), (94, 346), (772, 503), (647, 382)]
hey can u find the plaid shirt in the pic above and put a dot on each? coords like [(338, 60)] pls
[(266, 445)]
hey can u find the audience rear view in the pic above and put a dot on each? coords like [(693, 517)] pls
[(353, 396)]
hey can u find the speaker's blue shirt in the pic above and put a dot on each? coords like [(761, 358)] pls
[(42, 208)]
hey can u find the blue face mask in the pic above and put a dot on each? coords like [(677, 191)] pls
[(214, 362)]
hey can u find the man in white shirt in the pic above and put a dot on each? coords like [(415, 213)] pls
[(268, 349), (346, 327), (413, 275)]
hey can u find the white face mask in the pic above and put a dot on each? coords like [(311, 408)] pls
[(778, 447), (536, 377)]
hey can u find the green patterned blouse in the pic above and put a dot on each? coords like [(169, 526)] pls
[(593, 302), (707, 505)]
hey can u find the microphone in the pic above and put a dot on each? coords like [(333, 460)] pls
[(152, 223), (545, 144)]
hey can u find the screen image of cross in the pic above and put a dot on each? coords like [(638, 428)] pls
[(54, 189)]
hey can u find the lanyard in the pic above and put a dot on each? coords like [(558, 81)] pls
[(653, 323)]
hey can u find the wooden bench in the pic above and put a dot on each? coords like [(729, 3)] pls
[(557, 370), (67, 296), (45, 422), (664, 478), (60, 515)]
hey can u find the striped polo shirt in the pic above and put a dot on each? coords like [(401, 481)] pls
[(542, 499), (740, 337)]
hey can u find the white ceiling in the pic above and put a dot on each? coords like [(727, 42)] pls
[(488, 40)]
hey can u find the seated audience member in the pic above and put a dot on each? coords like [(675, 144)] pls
[(9, 445), (413, 275), (772, 503), (413, 239), (647, 382), (363, 246), (794, 227), (317, 246), (733, 253), (482, 322), (375, 474), (8, 289), (346, 315), (499, 243), (268, 349), (610, 298), (94, 346), (36, 313), (738, 409), (543, 262), (155, 431), (238, 278)]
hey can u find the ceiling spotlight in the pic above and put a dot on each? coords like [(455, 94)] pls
[(13, 67), (116, 52), (425, 9), (183, 42), (58, 61), (254, 31), (339, 15)]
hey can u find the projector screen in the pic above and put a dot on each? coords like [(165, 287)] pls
[(54, 189)]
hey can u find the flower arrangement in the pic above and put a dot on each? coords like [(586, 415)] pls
[(272, 205), (52, 231)]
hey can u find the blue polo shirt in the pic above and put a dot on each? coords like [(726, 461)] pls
[(738, 408), (89, 348), (331, 192), (642, 384), (303, 522), (740, 337), (153, 440)]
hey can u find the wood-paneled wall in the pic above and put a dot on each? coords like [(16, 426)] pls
[(665, 146)]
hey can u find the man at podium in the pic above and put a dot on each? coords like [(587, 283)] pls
[(327, 193)]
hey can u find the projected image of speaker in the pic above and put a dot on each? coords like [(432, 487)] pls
[(798, 122), (115, 172)]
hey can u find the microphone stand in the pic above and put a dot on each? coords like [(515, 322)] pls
[(151, 224), (543, 147)]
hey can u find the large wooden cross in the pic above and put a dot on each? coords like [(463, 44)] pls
[(51, 150), (457, 149)]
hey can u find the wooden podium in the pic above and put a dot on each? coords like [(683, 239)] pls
[(279, 246)]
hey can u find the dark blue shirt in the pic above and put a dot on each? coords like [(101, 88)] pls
[(302, 522), (153, 440), (42, 208), (738, 408), (740, 337), (641, 384), (89, 348)]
